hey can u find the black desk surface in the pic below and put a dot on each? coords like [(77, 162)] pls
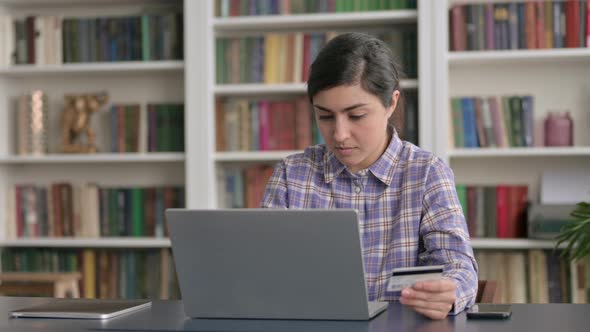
[(169, 316)]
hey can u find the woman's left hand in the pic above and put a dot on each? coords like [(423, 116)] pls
[(433, 299)]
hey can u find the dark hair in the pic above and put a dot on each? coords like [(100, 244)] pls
[(352, 58)]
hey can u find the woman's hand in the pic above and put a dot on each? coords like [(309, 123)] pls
[(433, 299)]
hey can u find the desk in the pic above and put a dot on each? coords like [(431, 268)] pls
[(169, 316)]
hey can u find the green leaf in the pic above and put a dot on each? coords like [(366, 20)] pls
[(576, 235)]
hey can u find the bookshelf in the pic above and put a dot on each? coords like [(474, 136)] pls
[(193, 81), (255, 25), (557, 80), (149, 81)]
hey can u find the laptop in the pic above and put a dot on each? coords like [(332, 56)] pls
[(81, 308), (270, 264)]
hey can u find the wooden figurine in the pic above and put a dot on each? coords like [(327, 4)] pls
[(75, 122)]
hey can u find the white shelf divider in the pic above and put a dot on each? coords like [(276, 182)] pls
[(95, 67), (146, 242), (79, 242), (518, 56), (252, 156), (256, 89), (95, 158), (514, 244), (521, 152), (320, 20)]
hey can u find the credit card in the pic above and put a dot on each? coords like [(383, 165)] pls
[(404, 277)]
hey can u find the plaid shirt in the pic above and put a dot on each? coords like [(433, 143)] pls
[(409, 213)]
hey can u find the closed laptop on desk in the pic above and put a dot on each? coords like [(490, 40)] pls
[(265, 263)]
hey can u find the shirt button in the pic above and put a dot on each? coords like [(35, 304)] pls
[(357, 189)]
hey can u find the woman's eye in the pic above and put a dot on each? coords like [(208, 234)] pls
[(356, 117), (325, 117)]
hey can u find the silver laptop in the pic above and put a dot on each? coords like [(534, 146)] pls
[(81, 308), (270, 264)]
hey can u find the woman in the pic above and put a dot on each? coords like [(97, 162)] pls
[(409, 213)]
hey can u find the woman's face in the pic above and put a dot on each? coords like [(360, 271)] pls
[(353, 124)]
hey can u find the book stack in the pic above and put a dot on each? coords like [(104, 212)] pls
[(262, 125), (495, 211), (480, 122), (242, 187), (48, 39), (106, 274), (158, 128), (66, 210), (276, 58), (532, 276), (519, 25)]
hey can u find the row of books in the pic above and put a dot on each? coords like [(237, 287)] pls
[(505, 121), (520, 25), (53, 40), (244, 124), (261, 125), (106, 274), (495, 211), (226, 8), (67, 210), (285, 57), (157, 128), (242, 187), (532, 276)]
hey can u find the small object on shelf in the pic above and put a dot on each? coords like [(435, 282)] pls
[(32, 123), (559, 129), (56, 284), (75, 121)]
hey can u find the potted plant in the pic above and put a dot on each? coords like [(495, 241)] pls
[(576, 235)]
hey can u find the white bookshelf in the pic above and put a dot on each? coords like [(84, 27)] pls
[(550, 75), (556, 78), (236, 26), (125, 82)]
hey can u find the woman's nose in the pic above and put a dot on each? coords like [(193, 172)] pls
[(341, 130)]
